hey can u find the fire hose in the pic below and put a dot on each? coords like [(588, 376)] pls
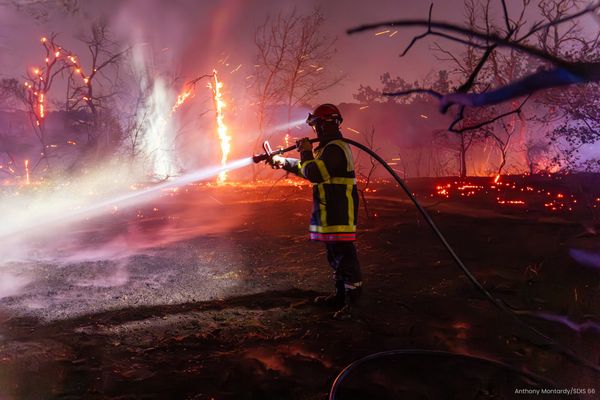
[(550, 343)]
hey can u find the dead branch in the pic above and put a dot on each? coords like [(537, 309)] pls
[(564, 73), (483, 37)]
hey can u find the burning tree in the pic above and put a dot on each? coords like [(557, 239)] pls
[(91, 88), (38, 83), (88, 90)]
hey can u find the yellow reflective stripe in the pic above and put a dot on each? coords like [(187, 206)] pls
[(347, 152), (322, 205), (299, 168), (350, 204), (342, 181), (323, 170), (333, 229), (320, 165)]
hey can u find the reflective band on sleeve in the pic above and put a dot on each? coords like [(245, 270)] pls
[(299, 167), (320, 165), (347, 152)]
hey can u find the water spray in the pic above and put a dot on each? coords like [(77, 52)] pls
[(103, 206)]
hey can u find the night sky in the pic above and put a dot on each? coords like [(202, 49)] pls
[(190, 36)]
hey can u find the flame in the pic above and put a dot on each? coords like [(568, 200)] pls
[(181, 98), (27, 172), (41, 105), (224, 137)]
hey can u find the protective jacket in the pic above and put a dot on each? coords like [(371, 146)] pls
[(335, 196)]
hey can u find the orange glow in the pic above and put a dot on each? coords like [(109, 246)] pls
[(497, 178), (181, 98), (222, 129), (27, 172), (41, 104)]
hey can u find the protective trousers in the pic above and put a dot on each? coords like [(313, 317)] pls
[(343, 259)]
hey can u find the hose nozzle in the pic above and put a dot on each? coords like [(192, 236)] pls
[(269, 153)]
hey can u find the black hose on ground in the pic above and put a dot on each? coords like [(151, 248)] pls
[(498, 303), (335, 387)]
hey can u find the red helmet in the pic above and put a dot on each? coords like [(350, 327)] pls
[(324, 112)]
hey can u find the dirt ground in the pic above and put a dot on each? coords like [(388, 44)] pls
[(208, 293)]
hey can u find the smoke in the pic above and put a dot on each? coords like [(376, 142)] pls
[(12, 283), (101, 216), (154, 118)]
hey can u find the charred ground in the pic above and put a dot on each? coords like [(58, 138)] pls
[(229, 315)]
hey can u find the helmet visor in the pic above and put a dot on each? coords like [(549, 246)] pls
[(312, 119)]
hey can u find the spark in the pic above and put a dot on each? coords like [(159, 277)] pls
[(353, 130), (382, 32), (497, 178), (222, 129), (424, 116), (363, 107), (393, 33)]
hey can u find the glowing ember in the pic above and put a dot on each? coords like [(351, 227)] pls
[(509, 194), (224, 137)]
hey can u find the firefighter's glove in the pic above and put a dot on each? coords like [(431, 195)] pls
[(276, 162), (304, 145)]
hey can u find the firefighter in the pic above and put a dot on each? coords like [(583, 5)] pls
[(330, 168)]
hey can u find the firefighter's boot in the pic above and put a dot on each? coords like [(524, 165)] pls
[(335, 299), (351, 296)]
